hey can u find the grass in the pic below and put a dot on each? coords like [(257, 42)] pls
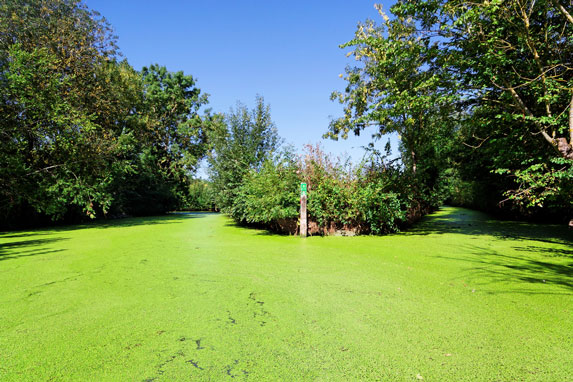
[(194, 297)]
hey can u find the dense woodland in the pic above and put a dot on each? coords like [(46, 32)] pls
[(480, 94)]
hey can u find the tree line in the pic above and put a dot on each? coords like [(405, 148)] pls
[(479, 93), (481, 97), (83, 132)]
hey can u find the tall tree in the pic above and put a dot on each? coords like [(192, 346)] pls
[(82, 131), (505, 66), (241, 143), (168, 137), (514, 58), (173, 125), (399, 86), (53, 146)]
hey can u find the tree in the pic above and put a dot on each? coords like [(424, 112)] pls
[(240, 143), (526, 74), (400, 86), (53, 146), (83, 132), (514, 58), (169, 137), (508, 64), (174, 128)]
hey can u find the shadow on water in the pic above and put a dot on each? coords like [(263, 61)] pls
[(31, 243), (537, 254), (548, 252), (256, 229), (497, 267), (26, 248), (171, 218), (469, 222)]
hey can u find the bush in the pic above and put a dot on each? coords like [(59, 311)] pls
[(363, 198), (375, 197), (380, 212), (269, 196), (201, 196)]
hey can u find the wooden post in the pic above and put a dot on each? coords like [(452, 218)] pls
[(303, 221)]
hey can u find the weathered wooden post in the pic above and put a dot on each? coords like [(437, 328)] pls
[(303, 221)]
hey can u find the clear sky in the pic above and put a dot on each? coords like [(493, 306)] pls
[(286, 51)]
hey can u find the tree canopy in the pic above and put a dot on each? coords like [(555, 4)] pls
[(479, 93), (83, 132), (240, 143), (494, 77)]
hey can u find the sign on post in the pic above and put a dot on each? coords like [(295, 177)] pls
[(303, 221)]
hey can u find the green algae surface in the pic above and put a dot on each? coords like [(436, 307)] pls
[(192, 297)]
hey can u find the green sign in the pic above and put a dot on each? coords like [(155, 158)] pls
[(303, 188)]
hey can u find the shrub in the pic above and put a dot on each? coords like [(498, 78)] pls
[(200, 196), (362, 198), (380, 212), (269, 195), (374, 197)]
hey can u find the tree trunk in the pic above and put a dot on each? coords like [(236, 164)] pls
[(413, 154), (564, 148)]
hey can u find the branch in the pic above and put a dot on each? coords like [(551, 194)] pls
[(515, 194), (478, 146), (531, 44), (531, 8), (493, 101), (46, 168), (543, 73), (571, 121), (564, 11), (526, 110)]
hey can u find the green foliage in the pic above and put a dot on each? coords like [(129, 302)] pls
[(380, 210), (518, 63), (366, 198), (240, 143), (201, 196), (538, 182), (167, 137), (480, 90), (83, 132), (269, 194), (172, 125), (473, 194), (400, 86), (55, 57), (55, 152)]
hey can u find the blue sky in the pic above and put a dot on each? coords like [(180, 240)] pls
[(288, 52)]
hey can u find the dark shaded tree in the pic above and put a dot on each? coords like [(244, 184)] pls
[(52, 58), (82, 132), (513, 59)]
